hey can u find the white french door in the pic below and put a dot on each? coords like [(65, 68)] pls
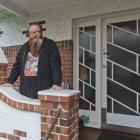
[(107, 69), (122, 72), (88, 70)]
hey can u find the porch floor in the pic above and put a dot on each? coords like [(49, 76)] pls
[(86, 133)]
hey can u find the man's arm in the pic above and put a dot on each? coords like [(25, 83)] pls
[(56, 66), (56, 87), (7, 85)]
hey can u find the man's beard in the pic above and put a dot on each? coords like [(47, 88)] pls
[(35, 45)]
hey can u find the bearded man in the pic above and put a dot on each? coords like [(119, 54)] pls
[(37, 63)]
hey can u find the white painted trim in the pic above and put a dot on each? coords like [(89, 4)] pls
[(63, 92), (97, 23), (98, 71), (104, 65), (94, 122), (75, 55), (16, 96), (118, 119)]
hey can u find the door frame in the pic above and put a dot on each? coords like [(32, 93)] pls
[(102, 18), (97, 115), (111, 118)]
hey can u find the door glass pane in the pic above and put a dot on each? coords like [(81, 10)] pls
[(90, 30), (89, 94), (122, 109), (81, 88), (122, 94), (127, 78), (93, 78), (81, 29), (92, 108), (109, 69), (87, 67), (126, 40), (89, 60), (84, 40), (93, 44), (81, 55), (109, 105), (139, 103), (83, 104), (117, 55), (123, 67), (129, 26), (84, 74), (139, 64), (109, 34)]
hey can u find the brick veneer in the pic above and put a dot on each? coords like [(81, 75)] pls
[(17, 134), (10, 53), (19, 105), (3, 73), (11, 102), (66, 127), (66, 52)]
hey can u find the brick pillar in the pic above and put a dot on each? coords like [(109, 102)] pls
[(66, 128), (3, 73)]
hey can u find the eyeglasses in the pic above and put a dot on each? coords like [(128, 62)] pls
[(33, 33)]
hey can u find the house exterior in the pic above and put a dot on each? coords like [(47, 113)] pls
[(99, 46)]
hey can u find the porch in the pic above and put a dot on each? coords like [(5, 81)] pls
[(98, 42)]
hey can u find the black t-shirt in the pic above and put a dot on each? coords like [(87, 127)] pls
[(30, 76)]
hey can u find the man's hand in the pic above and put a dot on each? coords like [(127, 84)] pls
[(7, 85), (56, 87)]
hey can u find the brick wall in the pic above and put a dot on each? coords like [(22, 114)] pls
[(10, 53), (37, 116), (17, 135), (66, 52), (3, 73), (66, 127)]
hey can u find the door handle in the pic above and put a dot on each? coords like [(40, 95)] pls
[(106, 54)]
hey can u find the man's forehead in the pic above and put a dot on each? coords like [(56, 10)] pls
[(34, 27)]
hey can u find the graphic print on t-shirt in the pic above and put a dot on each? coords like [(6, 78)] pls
[(31, 66)]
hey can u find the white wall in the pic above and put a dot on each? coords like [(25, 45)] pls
[(12, 27), (59, 19), (3, 58), (11, 118)]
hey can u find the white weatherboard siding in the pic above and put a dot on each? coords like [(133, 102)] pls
[(59, 19)]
